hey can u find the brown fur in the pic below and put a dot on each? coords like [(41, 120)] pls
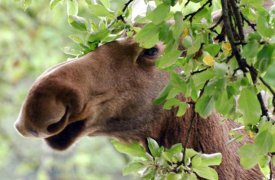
[(110, 92)]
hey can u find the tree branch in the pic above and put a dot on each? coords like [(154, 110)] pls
[(225, 13), (191, 15), (238, 19), (120, 17)]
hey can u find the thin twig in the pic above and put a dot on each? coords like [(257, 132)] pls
[(215, 25), (198, 71), (267, 86), (252, 25), (203, 88), (194, 114), (188, 1), (191, 15), (120, 17)]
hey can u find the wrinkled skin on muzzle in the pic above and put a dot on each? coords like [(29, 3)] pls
[(106, 92)]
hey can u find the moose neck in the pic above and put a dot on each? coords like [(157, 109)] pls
[(178, 129), (192, 131)]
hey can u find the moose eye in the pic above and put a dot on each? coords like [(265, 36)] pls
[(149, 56), (151, 53)]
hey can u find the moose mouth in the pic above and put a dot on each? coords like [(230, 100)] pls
[(67, 136)]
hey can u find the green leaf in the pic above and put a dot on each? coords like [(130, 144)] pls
[(99, 10), (132, 167), (221, 106), (196, 45), (98, 36), (106, 3), (251, 49), (181, 109), (212, 49), (249, 155), (153, 147), (148, 36), (77, 39), (176, 148), (168, 58), (72, 51), (206, 172), (264, 161), (149, 173), (190, 153), (196, 1), (191, 176), (196, 161), (201, 78), (170, 103), (164, 93), (264, 58), (178, 82), (263, 24), (177, 28), (211, 159), (72, 7), (249, 106), (173, 176), (253, 3), (133, 149), (77, 22), (205, 105), (164, 32), (264, 142), (53, 3), (170, 2), (159, 14)]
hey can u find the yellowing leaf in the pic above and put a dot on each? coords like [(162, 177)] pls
[(226, 47), (251, 135), (185, 32), (208, 60)]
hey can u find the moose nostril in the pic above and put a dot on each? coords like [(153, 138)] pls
[(33, 132), (55, 127)]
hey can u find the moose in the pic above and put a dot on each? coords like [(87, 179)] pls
[(110, 92)]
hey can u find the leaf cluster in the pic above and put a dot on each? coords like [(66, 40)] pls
[(168, 164)]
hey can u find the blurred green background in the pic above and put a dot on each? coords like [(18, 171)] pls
[(30, 42)]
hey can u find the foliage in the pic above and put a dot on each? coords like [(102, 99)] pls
[(226, 67), (168, 164)]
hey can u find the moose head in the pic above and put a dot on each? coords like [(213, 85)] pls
[(106, 92)]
